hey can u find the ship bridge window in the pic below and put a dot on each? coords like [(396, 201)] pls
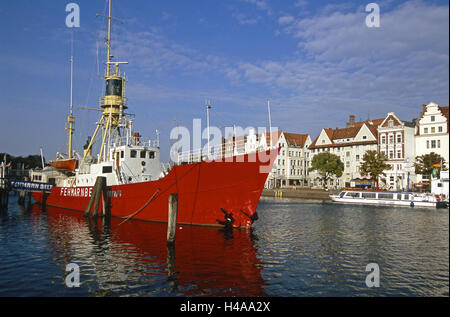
[(142, 154), (151, 155), (107, 169), (133, 154)]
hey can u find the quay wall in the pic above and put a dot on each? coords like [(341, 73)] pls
[(310, 194)]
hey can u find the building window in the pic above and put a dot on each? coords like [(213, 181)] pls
[(428, 144), (399, 138), (425, 130), (391, 123), (439, 129), (391, 139), (391, 154), (347, 164), (433, 130), (383, 139), (439, 144), (433, 118), (433, 144), (399, 153), (357, 157)]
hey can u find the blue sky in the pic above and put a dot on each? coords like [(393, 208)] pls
[(315, 60)]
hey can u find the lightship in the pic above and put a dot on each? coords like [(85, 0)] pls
[(220, 191)]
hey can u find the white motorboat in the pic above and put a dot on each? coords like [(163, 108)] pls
[(388, 198)]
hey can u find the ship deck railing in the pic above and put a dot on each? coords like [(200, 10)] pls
[(217, 152), (133, 141)]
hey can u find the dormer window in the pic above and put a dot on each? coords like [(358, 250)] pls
[(391, 123)]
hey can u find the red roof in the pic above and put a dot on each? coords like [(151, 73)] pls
[(348, 133), (444, 111), (294, 139)]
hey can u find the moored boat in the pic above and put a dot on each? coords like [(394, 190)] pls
[(65, 165), (212, 190), (387, 198)]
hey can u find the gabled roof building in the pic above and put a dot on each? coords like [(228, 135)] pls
[(350, 144)]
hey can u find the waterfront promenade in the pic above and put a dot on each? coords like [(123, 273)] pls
[(300, 193)]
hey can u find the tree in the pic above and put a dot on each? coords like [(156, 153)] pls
[(327, 165), (374, 164), (424, 163), (30, 161)]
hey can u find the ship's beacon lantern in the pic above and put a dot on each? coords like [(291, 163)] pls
[(114, 90), (114, 87)]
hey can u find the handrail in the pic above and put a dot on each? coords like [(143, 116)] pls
[(226, 149)]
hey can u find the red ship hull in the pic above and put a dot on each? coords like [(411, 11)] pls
[(205, 190)]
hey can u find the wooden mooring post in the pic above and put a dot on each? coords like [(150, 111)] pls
[(172, 221), (3, 198), (100, 191)]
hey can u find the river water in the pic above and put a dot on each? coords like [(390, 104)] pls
[(296, 249)]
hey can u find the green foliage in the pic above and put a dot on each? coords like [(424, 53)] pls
[(424, 163), (30, 161), (327, 165), (374, 164)]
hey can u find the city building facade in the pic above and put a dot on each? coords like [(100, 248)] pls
[(432, 131), (349, 144), (396, 141)]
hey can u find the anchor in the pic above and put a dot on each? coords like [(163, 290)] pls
[(253, 217), (229, 220)]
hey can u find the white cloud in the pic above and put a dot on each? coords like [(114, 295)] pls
[(262, 5), (343, 67), (286, 19), (244, 19)]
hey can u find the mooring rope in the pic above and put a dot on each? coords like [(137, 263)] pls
[(154, 195), (140, 209)]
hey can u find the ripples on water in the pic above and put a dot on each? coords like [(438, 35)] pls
[(296, 248)]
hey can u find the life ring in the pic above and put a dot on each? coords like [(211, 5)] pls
[(143, 163)]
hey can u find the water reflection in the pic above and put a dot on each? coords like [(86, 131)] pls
[(133, 259), (295, 249), (322, 249)]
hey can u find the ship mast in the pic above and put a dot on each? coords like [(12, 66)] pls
[(70, 117), (113, 103)]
